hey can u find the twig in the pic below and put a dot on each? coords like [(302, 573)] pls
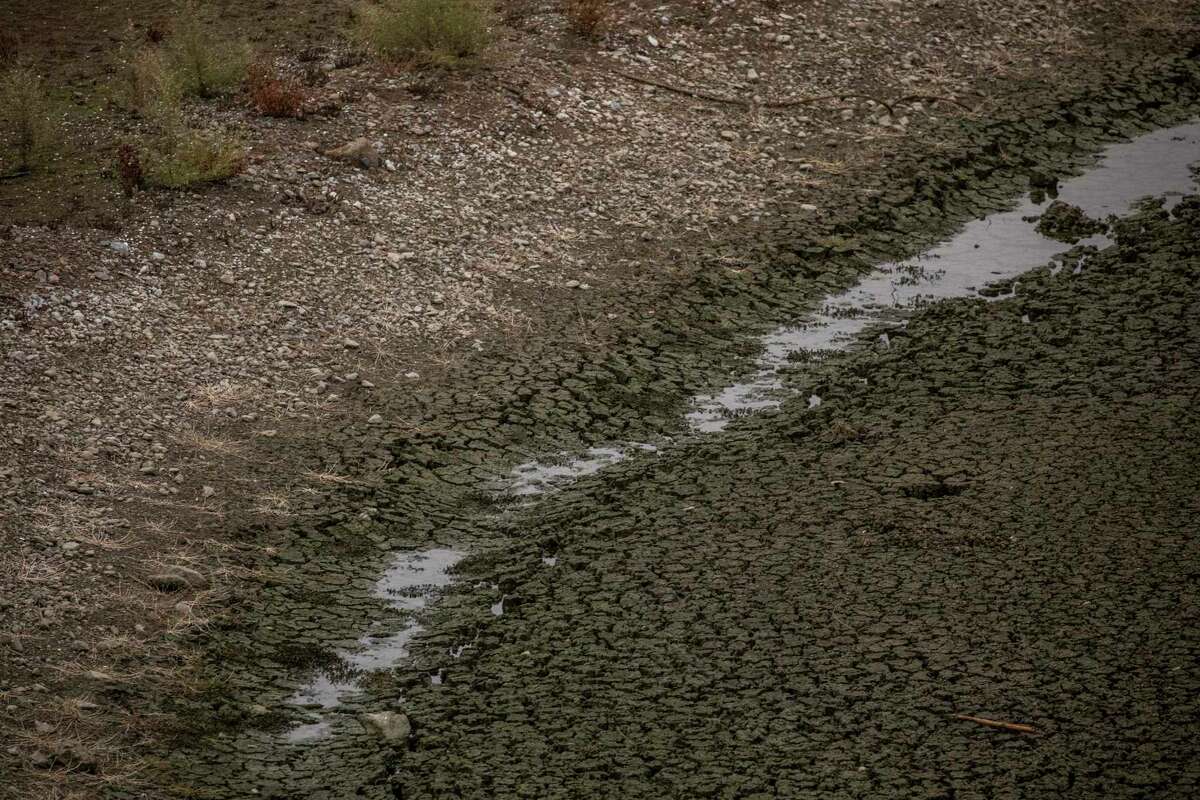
[(995, 723), (788, 103)]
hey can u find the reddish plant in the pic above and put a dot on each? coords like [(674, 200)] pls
[(273, 95), (129, 169), (588, 17)]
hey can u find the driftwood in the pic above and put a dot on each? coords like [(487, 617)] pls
[(995, 723), (787, 103)]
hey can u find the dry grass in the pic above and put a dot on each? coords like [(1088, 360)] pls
[(193, 439), (224, 394), (274, 503), (1158, 17), (444, 33)]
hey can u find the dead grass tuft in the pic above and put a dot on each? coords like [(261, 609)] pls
[(1158, 17)]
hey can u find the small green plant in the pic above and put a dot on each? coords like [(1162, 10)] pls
[(151, 85), (28, 133), (424, 32), (181, 159), (204, 64)]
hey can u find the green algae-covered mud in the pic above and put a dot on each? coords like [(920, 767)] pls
[(988, 518)]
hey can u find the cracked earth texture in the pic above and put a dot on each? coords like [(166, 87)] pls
[(1000, 522), (995, 524)]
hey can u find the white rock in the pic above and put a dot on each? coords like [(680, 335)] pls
[(392, 726)]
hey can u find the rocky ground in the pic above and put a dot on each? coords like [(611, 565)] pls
[(170, 379)]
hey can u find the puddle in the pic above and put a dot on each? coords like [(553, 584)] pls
[(988, 250), (538, 477), (410, 584)]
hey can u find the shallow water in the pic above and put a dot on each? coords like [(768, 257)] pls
[(410, 584), (988, 250), (544, 475)]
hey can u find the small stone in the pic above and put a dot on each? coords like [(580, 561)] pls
[(350, 344), (177, 578), (729, 136), (392, 726), (359, 152), (119, 247), (375, 419), (227, 278)]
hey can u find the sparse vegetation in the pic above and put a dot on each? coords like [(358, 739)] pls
[(588, 17), (151, 86), (274, 95), (424, 32), (180, 159), (129, 169), (205, 64), (10, 49), (192, 61), (28, 133)]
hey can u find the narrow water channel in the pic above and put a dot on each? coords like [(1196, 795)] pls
[(996, 249)]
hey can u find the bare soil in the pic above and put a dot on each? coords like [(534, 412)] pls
[(172, 360)]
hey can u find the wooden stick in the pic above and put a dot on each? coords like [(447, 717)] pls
[(995, 723), (790, 103)]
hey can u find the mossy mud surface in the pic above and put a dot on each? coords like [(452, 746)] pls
[(993, 524)]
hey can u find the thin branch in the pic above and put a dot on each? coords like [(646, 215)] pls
[(787, 103), (995, 723)]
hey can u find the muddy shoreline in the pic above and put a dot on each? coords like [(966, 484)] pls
[(623, 385)]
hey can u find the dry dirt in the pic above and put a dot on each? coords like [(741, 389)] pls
[(157, 350)]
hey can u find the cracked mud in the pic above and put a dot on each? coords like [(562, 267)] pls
[(991, 517)]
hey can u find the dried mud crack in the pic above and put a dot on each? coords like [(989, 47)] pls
[(298, 494), (987, 520), (998, 522)]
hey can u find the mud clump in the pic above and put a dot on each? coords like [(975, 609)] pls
[(1064, 222)]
